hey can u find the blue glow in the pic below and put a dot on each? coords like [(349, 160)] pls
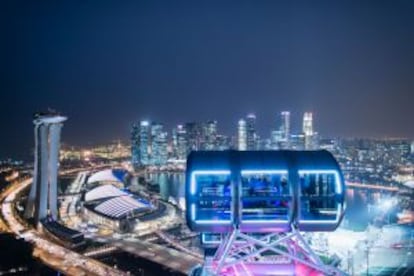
[(212, 221), (244, 172), (212, 172), (338, 210), (193, 211), (264, 221)]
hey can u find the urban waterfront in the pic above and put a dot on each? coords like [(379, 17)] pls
[(218, 138)]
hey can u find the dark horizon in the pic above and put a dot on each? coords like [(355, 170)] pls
[(107, 66)]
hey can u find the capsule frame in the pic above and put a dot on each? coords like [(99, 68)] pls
[(263, 191)]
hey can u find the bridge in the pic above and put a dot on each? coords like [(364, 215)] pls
[(167, 257), (372, 187), (177, 245), (56, 256)]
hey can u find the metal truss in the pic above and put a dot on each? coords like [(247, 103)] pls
[(246, 254)]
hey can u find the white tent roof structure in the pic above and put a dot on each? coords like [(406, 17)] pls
[(105, 176), (120, 206), (103, 191)]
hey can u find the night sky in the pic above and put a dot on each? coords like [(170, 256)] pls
[(108, 64)]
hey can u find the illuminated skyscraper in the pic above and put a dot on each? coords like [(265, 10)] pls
[(285, 126), (159, 143), (251, 136), (42, 201), (181, 143), (209, 135), (174, 142), (307, 124), (412, 148), (276, 139), (135, 150), (308, 130), (194, 136), (144, 142), (297, 141), (222, 142), (242, 135)]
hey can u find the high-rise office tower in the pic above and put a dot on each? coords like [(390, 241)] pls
[(297, 141), (194, 136), (285, 126), (251, 136), (307, 124), (209, 135), (174, 143), (182, 143), (242, 135), (308, 130), (223, 142), (276, 139), (135, 150), (159, 144), (42, 201), (144, 142), (412, 148)]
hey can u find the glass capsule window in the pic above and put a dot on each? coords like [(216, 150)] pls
[(265, 196), (214, 197), (318, 196)]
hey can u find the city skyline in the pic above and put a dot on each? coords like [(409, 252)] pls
[(349, 63), (207, 138), (285, 124)]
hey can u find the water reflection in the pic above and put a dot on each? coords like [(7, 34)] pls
[(171, 185)]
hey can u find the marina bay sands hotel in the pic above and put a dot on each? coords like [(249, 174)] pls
[(42, 201)]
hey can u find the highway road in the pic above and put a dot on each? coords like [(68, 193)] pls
[(67, 210), (372, 186), (182, 261), (51, 254), (167, 257)]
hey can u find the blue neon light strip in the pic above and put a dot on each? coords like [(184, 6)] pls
[(264, 221), (250, 172), (338, 210), (193, 212), (214, 221)]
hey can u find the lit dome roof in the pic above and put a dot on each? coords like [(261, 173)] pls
[(108, 175), (103, 191)]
